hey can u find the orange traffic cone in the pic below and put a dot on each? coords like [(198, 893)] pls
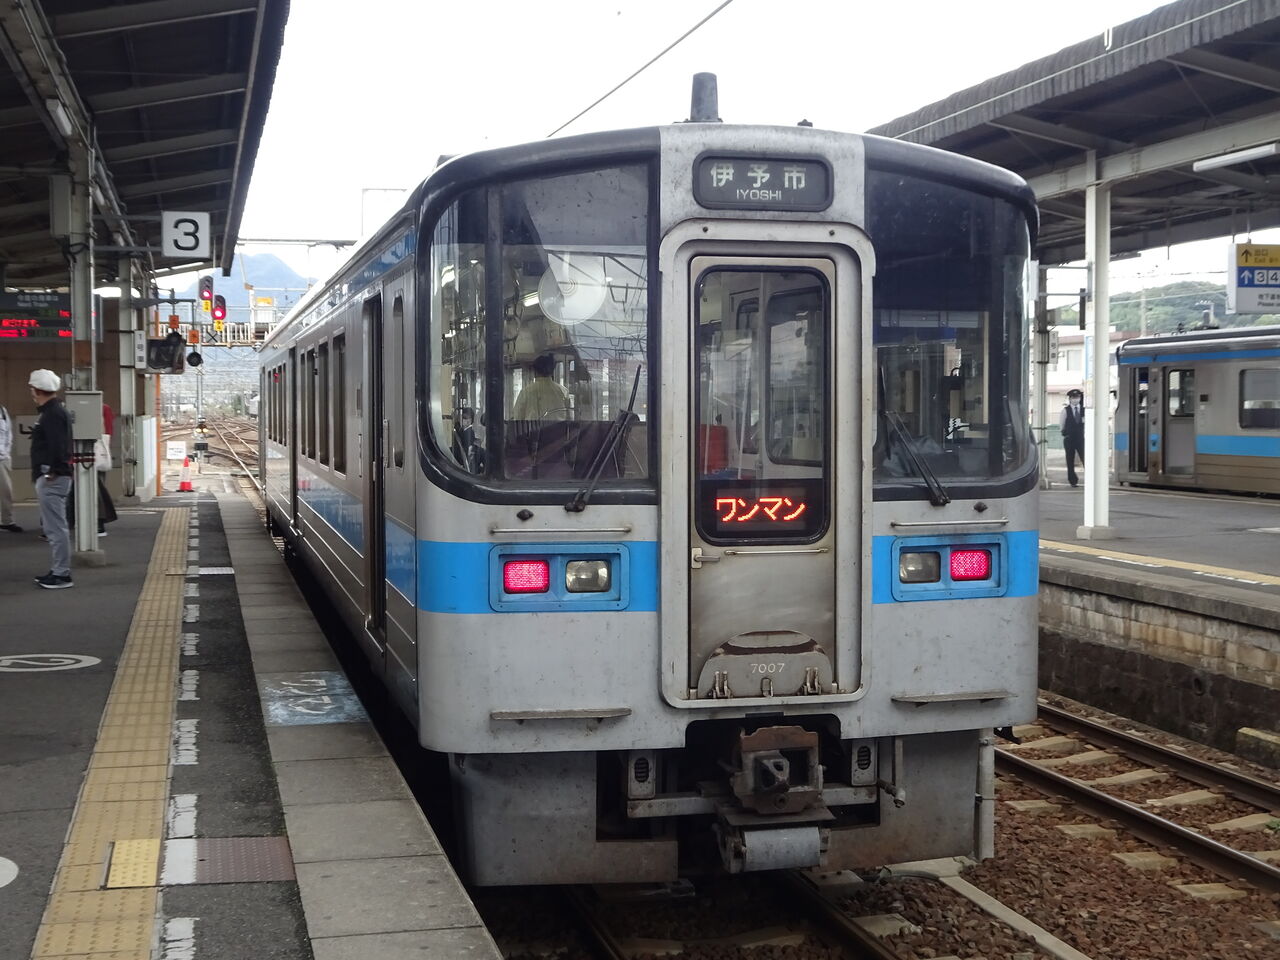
[(184, 479)]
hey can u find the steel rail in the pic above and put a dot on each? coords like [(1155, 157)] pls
[(856, 942), (1243, 786), (226, 446), (605, 944), (1199, 849)]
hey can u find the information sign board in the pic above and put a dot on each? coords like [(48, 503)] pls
[(35, 316), (185, 234), (175, 449), (1253, 278)]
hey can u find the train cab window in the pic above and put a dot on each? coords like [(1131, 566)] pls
[(1182, 393), (458, 408), (340, 403), (949, 335), (1260, 399), (574, 323)]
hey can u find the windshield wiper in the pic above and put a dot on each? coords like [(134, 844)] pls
[(938, 495), (616, 435)]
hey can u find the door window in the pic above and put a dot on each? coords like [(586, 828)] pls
[(761, 448)]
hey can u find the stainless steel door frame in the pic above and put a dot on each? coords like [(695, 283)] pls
[(851, 255)]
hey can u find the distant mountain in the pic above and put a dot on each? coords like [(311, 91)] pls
[(1171, 308), (267, 274)]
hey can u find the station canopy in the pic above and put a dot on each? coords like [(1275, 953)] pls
[(1140, 108), (171, 94)]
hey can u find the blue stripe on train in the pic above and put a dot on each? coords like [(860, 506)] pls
[(1022, 566), (1141, 360), (454, 577), (1238, 446)]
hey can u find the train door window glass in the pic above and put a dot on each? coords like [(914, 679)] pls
[(1182, 393), (311, 404), (323, 410), (575, 323), (949, 333), (395, 382), (761, 479), (457, 410), (340, 403), (1260, 399)]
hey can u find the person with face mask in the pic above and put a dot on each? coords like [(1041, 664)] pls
[(1071, 421)]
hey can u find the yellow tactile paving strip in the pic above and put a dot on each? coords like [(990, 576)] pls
[(104, 901)]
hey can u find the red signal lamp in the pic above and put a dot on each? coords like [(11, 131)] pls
[(219, 310), (526, 576)]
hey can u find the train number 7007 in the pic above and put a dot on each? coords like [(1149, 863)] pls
[(767, 667)]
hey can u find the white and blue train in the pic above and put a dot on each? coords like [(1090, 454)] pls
[(677, 483), (1200, 410)]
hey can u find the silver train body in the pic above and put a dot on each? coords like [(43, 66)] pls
[(1200, 410), (677, 484)]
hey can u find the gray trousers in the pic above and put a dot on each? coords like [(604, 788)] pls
[(6, 493), (52, 492)]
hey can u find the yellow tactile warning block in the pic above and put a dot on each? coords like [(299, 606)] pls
[(135, 863), (120, 814)]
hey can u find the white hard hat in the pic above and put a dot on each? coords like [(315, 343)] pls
[(45, 380)]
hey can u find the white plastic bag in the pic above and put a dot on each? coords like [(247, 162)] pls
[(102, 453)]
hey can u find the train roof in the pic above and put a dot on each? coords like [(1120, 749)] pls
[(1228, 340), (640, 143)]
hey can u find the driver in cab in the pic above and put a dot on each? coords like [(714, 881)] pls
[(543, 399)]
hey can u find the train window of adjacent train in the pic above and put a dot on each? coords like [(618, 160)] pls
[(1260, 399), (340, 403), (456, 346), (322, 409), (575, 322), (949, 332), (1181, 390)]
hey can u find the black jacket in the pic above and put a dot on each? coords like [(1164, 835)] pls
[(51, 441)]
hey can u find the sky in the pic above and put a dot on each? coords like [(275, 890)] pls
[(364, 105)]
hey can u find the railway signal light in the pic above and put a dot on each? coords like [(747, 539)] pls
[(206, 288), (219, 307)]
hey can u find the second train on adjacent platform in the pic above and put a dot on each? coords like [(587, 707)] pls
[(677, 483), (1200, 410)]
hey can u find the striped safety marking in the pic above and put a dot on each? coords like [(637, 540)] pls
[(1225, 573), (104, 898)]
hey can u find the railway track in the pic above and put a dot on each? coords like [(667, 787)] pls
[(1221, 858)]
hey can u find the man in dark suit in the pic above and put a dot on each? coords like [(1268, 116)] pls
[(1072, 423)]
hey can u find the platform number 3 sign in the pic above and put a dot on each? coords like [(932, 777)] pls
[(184, 234)]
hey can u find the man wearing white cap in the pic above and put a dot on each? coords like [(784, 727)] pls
[(51, 471)]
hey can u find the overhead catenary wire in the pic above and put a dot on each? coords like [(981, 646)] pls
[(671, 46)]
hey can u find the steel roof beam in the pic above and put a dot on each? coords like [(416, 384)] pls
[(156, 13), (161, 93), (148, 150), (16, 211), (1243, 181), (174, 184), (1168, 155), (1229, 68), (1056, 133)]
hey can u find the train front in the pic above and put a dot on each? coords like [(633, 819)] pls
[(727, 546)]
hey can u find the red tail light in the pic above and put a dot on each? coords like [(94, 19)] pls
[(970, 564), (526, 576)]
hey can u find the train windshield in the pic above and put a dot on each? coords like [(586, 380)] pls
[(949, 335), (543, 337)]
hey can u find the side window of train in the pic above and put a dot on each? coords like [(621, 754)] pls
[(322, 404), (395, 373), (340, 403), (1182, 393), (457, 409), (1260, 399)]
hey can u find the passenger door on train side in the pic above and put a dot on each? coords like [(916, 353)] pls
[(373, 637)]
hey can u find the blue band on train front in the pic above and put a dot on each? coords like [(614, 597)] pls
[(1015, 567), (461, 577), (1242, 446)]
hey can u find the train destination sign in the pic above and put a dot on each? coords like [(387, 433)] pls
[(35, 316), (750, 509), (1253, 278), (761, 183)]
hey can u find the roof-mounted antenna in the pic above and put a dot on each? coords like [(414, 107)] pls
[(705, 106)]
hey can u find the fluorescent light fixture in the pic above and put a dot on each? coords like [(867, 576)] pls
[(59, 114), (1239, 156)]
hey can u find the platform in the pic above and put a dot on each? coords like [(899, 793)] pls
[(184, 766)]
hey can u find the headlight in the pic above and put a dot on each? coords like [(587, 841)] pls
[(923, 567), (586, 576)]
